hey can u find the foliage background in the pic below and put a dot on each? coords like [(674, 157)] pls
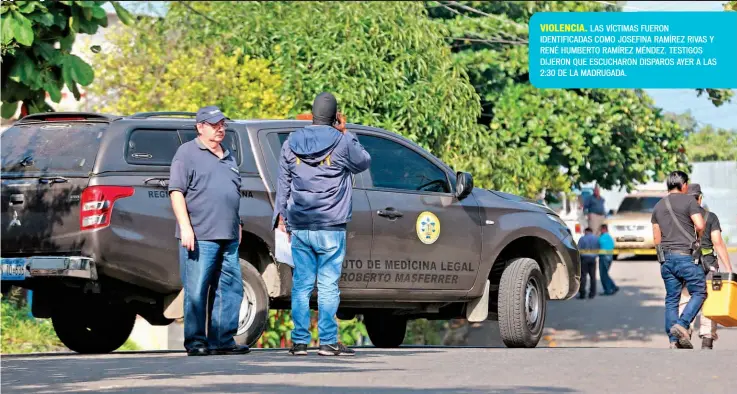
[(37, 39), (451, 76), (21, 333)]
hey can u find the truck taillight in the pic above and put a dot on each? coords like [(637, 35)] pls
[(97, 205)]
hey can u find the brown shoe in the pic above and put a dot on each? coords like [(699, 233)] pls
[(682, 335), (707, 343)]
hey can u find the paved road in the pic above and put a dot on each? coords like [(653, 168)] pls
[(634, 317), (403, 371), (577, 356)]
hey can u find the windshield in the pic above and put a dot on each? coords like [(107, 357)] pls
[(638, 204), (58, 148)]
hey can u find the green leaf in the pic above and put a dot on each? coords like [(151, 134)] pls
[(46, 51), (9, 109), (22, 29), (24, 71), (99, 12), (8, 30), (78, 70), (87, 12), (52, 87), (123, 14), (28, 7), (60, 19), (74, 23), (67, 42), (44, 18)]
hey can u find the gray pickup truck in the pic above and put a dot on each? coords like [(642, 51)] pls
[(87, 224)]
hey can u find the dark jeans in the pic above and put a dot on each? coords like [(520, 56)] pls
[(605, 262), (677, 270), (588, 269), (211, 265)]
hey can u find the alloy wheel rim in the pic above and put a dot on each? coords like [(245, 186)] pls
[(247, 314)]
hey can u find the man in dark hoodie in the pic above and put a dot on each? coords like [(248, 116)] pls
[(313, 205)]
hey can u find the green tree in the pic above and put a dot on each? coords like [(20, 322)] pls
[(386, 63), (554, 138), (37, 39), (155, 74), (712, 144)]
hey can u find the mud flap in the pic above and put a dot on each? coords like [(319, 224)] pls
[(478, 309), (175, 307)]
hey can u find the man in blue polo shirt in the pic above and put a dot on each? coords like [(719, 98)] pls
[(204, 186)]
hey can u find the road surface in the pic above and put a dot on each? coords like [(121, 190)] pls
[(403, 371), (605, 345), (634, 317)]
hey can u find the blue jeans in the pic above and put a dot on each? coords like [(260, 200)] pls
[(318, 255), (605, 262), (212, 264), (677, 270)]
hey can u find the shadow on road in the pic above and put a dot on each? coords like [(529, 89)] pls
[(634, 314), (178, 373)]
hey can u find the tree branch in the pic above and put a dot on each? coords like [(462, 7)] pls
[(189, 7)]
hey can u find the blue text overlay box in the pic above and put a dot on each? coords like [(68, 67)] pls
[(648, 50)]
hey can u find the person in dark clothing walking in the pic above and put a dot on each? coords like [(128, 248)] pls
[(589, 242), (712, 245), (313, 204), (677, 224)]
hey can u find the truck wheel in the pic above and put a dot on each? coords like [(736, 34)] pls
[(103, 329), (522, 303), (385, 330), (254, 313)]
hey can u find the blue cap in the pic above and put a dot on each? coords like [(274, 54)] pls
[(210, 114)]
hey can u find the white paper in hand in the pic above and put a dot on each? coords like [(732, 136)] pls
[(283, 248)]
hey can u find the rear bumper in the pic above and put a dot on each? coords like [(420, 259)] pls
[(22, 268)]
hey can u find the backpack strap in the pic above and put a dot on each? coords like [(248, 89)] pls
[(675, 220)]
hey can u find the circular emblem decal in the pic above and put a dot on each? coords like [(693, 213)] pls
[(428, 227)]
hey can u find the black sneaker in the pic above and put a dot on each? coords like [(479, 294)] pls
[(335, 349), (198, 351), (298, 349), (707, 343)]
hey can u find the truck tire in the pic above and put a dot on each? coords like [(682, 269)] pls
[(97, 330), (385, 330), (522, 304), (254, 312)]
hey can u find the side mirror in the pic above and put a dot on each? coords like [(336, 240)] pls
[(464, 185)]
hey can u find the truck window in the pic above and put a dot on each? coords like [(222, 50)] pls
[(243, 156), (638, 204), (394, 166), (57, 148), (152, 147)]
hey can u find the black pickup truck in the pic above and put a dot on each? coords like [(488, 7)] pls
[(87, 224)]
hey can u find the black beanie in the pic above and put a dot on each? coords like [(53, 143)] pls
[(324, 109)]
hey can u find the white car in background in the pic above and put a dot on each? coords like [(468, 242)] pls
[(630, 225), (571, 210)]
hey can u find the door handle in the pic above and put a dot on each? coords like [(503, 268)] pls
[(163, 182), (17, 202), (17, 199), (390, 213)]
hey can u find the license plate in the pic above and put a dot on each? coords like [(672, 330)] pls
[(14, 269)]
